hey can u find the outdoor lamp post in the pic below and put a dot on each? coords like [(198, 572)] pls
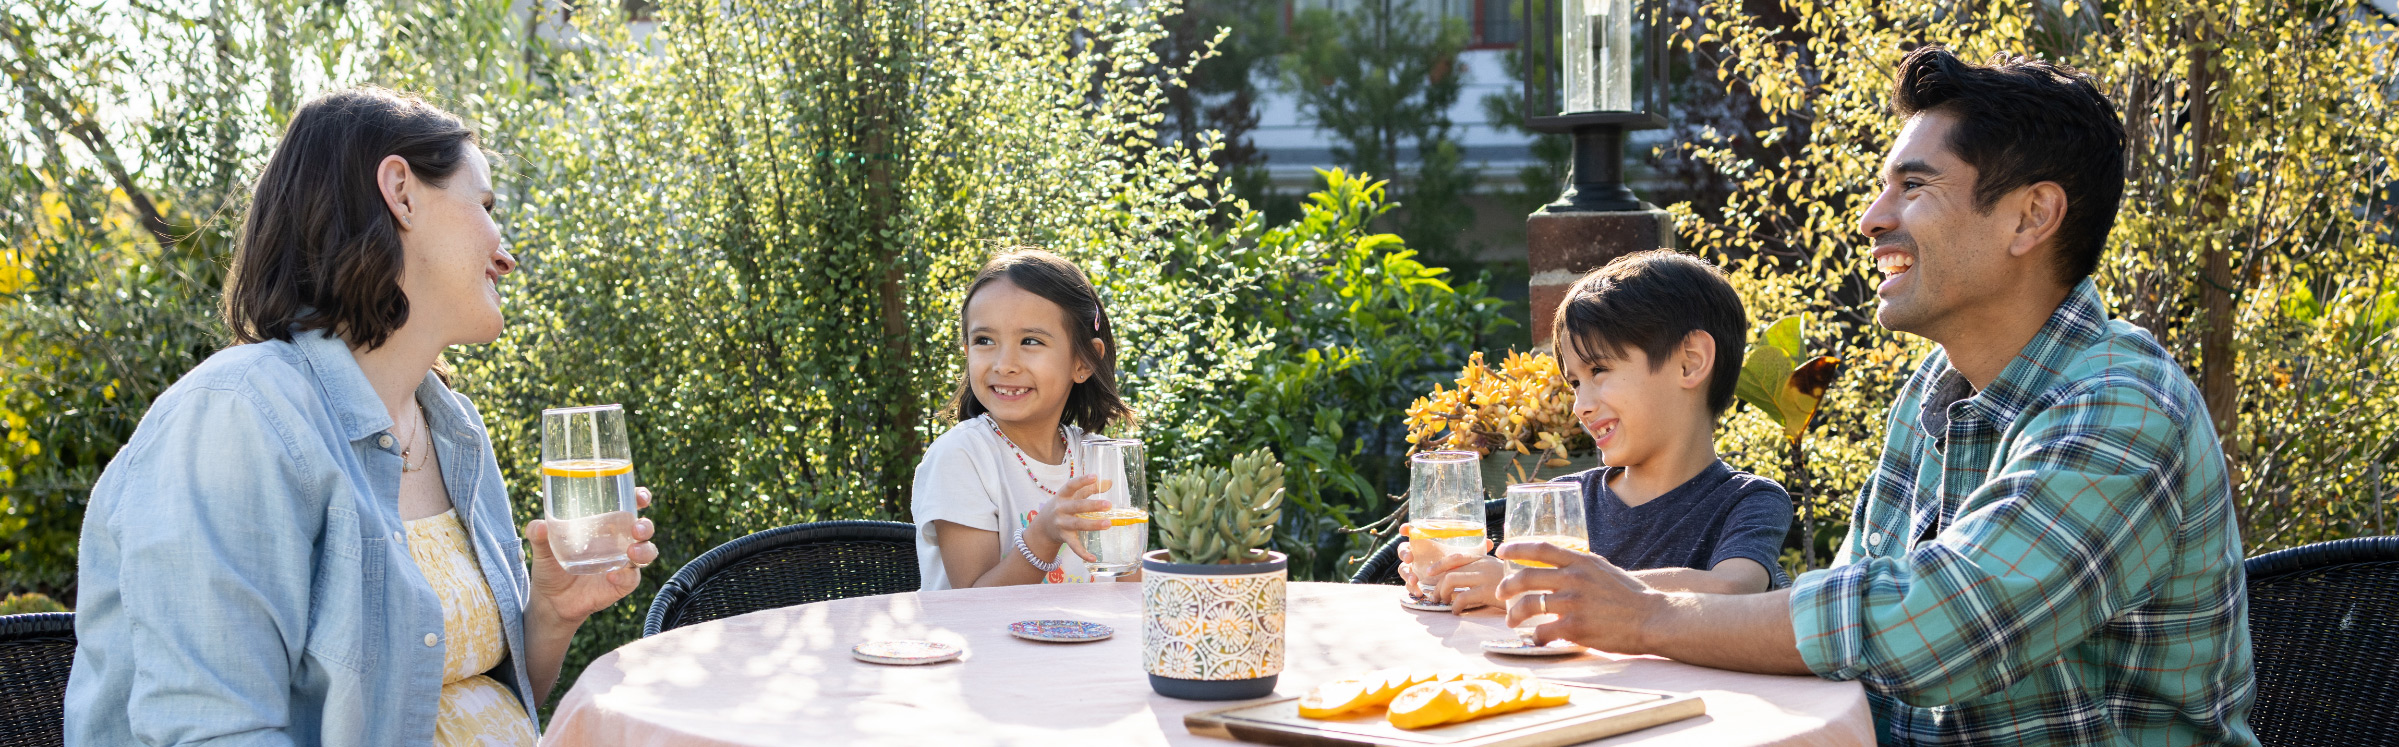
[(1611, 55), (1594, 70)]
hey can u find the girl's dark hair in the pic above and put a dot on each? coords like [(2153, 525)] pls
[(1092, 404), (318, 248), (1652, 301)]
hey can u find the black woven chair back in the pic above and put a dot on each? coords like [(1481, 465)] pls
[(2324, 624), (36, 652), (1382, 567), (785, 566)]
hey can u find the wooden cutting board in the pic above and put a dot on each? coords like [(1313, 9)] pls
[(1596, 712)]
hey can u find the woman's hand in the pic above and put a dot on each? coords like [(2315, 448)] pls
[(1056, 521), (568, 598)]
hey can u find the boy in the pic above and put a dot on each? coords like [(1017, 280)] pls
[(1651, 344)]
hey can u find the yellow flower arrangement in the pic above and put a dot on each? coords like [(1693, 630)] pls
[(1522, 406)]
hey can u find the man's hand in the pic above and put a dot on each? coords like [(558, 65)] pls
[(1597, 604)]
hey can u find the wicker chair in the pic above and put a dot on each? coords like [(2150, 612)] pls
[(785, 566), (1382, 567), (2324, 624), (36, 651)]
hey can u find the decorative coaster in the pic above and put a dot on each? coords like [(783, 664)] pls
[(1414, 602), (905, 653), (1061, 631), (1521, 647)]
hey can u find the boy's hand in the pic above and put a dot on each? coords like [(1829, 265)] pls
[(1467, 582)]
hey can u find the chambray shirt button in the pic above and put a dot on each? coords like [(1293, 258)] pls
[(384, 440), (431, 639), (397, 537)]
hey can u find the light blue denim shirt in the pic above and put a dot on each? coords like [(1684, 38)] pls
[(245, 576)]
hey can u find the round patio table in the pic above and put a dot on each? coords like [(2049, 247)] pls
[(785, 676)]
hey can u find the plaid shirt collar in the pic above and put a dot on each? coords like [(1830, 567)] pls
[(2078, 323)]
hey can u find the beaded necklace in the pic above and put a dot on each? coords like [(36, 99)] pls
[(1021, 462)]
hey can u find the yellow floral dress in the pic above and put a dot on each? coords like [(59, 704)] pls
[(475, 709)]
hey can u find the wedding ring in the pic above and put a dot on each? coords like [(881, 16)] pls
[(1543, 599)]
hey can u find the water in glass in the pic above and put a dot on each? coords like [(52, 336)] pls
[(1119, 462), (587, 487), (1445, 509)]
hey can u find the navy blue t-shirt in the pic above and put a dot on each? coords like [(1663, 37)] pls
[(1721, 514)]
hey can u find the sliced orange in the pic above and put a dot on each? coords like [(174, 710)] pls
[(1336, 698), (1552, 694), (1425, 705)]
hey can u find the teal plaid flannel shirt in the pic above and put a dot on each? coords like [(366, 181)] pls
[(2052, 560)]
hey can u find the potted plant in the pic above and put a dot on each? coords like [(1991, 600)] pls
[(1212, 598), (1519, 416)]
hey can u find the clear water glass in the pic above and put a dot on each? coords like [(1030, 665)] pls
[(1550, 513), (1117, 550), (587, 487), (1445, 510)]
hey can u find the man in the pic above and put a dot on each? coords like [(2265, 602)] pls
[(2047, 553)]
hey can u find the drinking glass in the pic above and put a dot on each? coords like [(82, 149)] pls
[(1445, 510), (1118, 548), (1547, 512), (587, 487)]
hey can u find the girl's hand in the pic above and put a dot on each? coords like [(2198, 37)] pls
[(569, 598), (1056, 519)]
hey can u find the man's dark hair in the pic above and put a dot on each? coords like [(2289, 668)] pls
[(2024, 121), (1652, 301), (319, 249), (1094, 403)]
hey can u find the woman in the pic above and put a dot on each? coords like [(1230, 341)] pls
[(307, 541)]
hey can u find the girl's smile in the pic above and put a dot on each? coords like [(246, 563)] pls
[(1020, 359)]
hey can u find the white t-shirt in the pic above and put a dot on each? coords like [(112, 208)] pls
[(970, 477)]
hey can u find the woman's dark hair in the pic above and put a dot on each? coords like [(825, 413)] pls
[(2024, 121), (1652, 301), (1093, 403), (319, 249)]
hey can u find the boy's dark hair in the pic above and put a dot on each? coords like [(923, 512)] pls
[(319, 249), (2024, 121), (1652, 301), (1092, 404)]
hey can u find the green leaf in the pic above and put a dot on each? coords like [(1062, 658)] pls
[(1785, 335), (1763, 376)]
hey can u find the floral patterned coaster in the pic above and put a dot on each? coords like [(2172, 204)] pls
[(905, 653), (1061, 631), (1414, 602), (1522, 647)]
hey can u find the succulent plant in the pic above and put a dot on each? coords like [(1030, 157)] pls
[(1219, 514)]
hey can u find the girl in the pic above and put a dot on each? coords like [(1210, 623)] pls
[(307, 541), (996, 496)]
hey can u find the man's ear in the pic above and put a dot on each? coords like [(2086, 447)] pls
[(397, 183), (2042, 208), (1696, 358)]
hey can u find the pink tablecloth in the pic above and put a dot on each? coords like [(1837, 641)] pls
[(786, 677)]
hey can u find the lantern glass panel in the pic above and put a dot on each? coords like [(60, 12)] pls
[(1599, 55)]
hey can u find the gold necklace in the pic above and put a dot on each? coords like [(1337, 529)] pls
[(405, 451)]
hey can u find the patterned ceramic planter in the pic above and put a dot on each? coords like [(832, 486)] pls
[(1212, 632)]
